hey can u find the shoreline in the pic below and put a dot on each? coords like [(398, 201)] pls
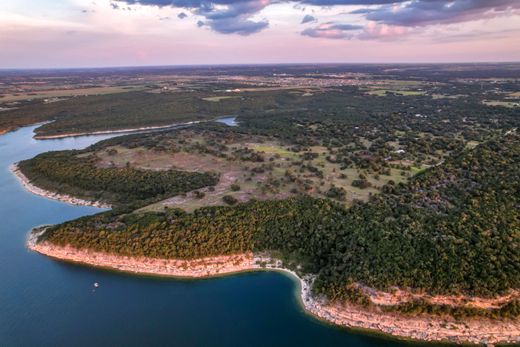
[(395, 325), (31, 188), (117, 131), (108, 132), (26, 182)]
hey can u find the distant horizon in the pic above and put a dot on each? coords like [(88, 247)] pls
[(252, 64)]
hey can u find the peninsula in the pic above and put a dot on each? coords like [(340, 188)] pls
[(397, 211)]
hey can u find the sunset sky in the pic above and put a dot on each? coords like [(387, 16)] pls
[(92, 33)]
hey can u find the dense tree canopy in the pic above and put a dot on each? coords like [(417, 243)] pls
[(454, 228), (66, 172)]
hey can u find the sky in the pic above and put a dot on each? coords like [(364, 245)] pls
[(98, 33)]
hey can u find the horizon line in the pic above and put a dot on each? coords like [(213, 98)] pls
[(252, 64)]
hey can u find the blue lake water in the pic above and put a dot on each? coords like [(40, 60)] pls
[(231, 121), (49, 303)]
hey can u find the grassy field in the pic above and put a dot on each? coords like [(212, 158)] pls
[(399, 87), (220, 98), (509, 104), (382, 92), (250, 168), (272, 149), (61, 93), (444, 96)]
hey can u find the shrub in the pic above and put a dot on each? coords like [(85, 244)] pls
[(230, 200)]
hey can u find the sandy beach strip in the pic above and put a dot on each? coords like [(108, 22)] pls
[(26, 183), (424, 328)]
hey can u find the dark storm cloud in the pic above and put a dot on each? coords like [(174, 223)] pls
[(428, 12), (234, 19), (349, 2), (201, 3), (237, 26), (182, 15), (361, 11), (308, 19), (236, 16), (193, 4)]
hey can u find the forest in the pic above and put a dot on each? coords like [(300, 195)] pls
[(384, 181), (67, 173), (454, 228), (167, 101)]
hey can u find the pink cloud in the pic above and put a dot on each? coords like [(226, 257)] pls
[(374, 31)]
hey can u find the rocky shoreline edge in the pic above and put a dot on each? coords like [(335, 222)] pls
[(422, 328), (26, 183)]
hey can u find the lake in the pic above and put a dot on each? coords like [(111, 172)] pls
[(49, 303)]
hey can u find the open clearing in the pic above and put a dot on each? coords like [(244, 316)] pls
[(67, 93), (251, 168), (444, 96), (383, 92), (398, 87), (509, 104), (219, 98)]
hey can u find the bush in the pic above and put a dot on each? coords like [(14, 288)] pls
[(230, 200), (199, 194), (361, 184), (337, 193)]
